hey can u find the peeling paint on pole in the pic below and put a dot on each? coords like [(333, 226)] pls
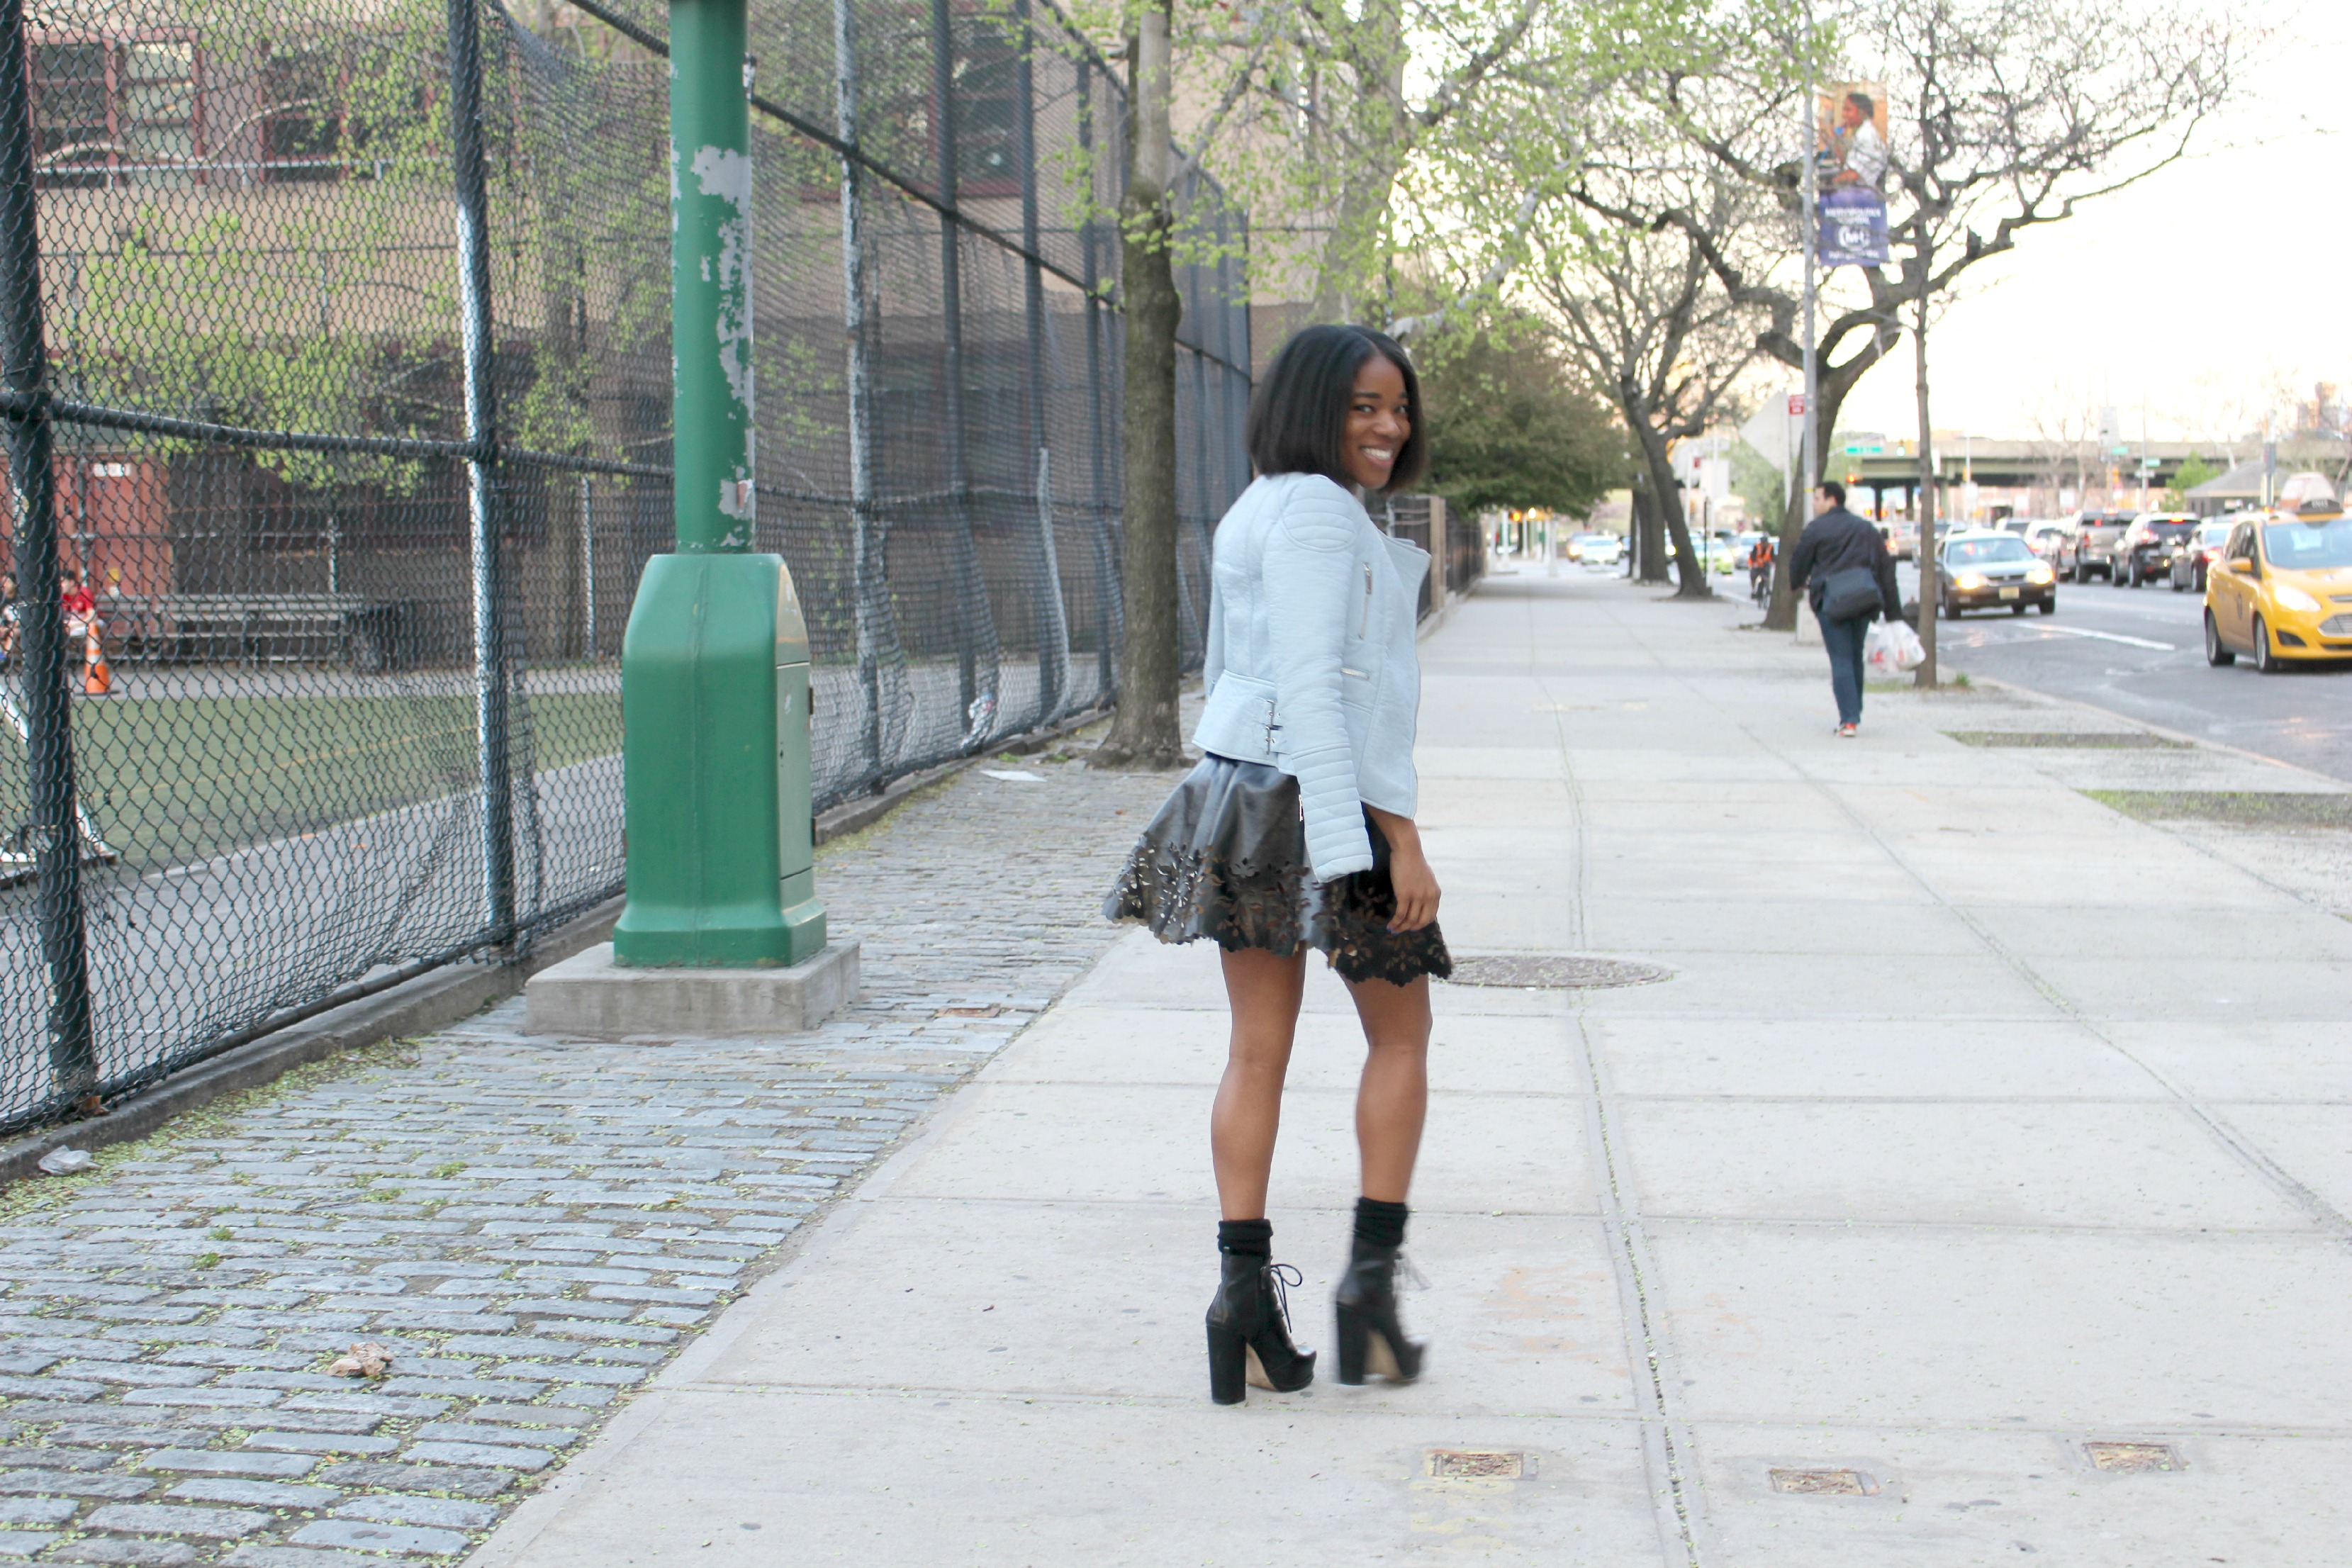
[(711, 236)]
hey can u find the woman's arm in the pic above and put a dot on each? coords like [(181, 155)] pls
[(1409, 872), (1309, 575)]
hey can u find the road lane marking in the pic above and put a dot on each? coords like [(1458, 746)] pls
[(2109, 637)]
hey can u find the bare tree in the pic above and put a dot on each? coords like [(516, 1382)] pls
[(2009, 114), (1639, 310), (1311, 116)]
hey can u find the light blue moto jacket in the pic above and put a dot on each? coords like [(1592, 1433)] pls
[(1310, 663)]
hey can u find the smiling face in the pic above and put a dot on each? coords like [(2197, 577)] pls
[(1378, 421)]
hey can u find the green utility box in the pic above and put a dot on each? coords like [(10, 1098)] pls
[(715, 709)]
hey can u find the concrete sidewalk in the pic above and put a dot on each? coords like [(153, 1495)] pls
[(1978, 1126)]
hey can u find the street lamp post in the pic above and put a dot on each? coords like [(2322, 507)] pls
[(714, 667)]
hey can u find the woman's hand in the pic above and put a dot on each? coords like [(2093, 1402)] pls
[(1416, 885)]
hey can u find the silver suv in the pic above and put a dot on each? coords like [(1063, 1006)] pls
[(2091, 548)]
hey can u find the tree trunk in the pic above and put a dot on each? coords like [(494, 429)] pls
[(1665, 496), (1649, 545), (1143, 732)]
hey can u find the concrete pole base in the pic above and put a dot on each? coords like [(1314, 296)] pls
[(590, 997)]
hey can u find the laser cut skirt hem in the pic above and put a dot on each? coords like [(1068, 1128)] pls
[(1226, 859)]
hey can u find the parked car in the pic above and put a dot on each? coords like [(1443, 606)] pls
[(2145, 551), (2193, 559), (2090, 545), (1901, 538), (1596, 549), (2044, 538), (1989, 570), (2282, 589)]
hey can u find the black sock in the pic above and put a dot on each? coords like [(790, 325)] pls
[(1246, 1237), (1379, 1224)]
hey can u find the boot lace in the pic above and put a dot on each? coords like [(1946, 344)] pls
[(1280, 1285)]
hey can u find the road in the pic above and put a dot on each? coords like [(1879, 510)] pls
[(2141, 653)]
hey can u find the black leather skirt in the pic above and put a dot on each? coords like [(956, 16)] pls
[(1226, 859)]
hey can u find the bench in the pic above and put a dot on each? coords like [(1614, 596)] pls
[(305, 628)]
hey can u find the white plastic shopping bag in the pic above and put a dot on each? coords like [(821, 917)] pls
[(1892, 647)]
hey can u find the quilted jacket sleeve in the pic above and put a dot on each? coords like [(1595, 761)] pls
[(1310, 583)]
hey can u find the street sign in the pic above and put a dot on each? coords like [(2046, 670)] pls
[(1796, 405), (2147, 464)]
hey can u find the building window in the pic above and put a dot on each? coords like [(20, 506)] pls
[(109, 111)]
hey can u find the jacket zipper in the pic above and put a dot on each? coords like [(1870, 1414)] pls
[(1364, 626)]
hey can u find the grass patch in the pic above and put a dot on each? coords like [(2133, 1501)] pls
[(167, 781), (2244, 808), (2069, 739)]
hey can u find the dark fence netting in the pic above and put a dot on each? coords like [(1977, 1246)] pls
[(311, 651)]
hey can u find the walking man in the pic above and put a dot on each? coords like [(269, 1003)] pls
[(1841, 563)]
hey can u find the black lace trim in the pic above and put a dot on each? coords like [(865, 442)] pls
[(1183, 895)]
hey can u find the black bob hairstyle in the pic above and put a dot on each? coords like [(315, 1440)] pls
[(1298, 414)]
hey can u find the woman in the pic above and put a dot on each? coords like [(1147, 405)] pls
[(1296, 831)]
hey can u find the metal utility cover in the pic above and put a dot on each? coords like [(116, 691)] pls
[(1476, 1464), (1823, 1483), (1552, 972), (2133, 1456)]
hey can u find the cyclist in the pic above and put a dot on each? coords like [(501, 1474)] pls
[(1760, 567)]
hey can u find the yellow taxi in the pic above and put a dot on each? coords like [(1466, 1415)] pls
[(2281, 589)]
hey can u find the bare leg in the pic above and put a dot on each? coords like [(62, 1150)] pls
[(1264, 993), (1393, 1098)]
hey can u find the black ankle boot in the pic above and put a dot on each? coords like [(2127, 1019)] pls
[(1249, 1331), (1371, 1340)]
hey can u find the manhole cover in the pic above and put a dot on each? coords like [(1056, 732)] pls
[(2132, 1457), (1552, 972), (1480, 1463), (1822, 1483), (2068, 740)]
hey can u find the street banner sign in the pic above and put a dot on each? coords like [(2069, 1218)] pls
[(1850, 159)]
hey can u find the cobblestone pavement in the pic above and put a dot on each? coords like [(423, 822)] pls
[(530, 1227)]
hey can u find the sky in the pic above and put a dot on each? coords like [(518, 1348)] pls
[(2210, 277)]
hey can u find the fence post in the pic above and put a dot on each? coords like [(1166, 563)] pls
[(1054, 631), (48, 716), (490, 685), (867, 583), (587, 571), (977, 645)]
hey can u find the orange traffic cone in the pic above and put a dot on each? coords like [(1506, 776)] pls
[(100, 680)]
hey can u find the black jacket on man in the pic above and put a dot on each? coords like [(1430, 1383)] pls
[(1835, 540)]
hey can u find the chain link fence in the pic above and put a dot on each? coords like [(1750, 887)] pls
[(311, 659)]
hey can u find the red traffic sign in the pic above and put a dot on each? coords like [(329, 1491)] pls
[(1796, 405)]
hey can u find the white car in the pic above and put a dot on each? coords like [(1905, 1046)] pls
[(1596, 549)]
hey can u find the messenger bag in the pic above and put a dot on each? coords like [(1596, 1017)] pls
[(1851, 594)]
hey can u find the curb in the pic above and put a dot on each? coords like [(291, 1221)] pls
[(1995, 683), (431, 1001), (434, 1000)]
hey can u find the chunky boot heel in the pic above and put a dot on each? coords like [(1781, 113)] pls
[(1249, 1331), (1372, 1342), (1354, 1341), (1227, 1354)]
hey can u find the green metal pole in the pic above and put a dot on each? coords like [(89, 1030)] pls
[(714, 668), (710, 273)]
